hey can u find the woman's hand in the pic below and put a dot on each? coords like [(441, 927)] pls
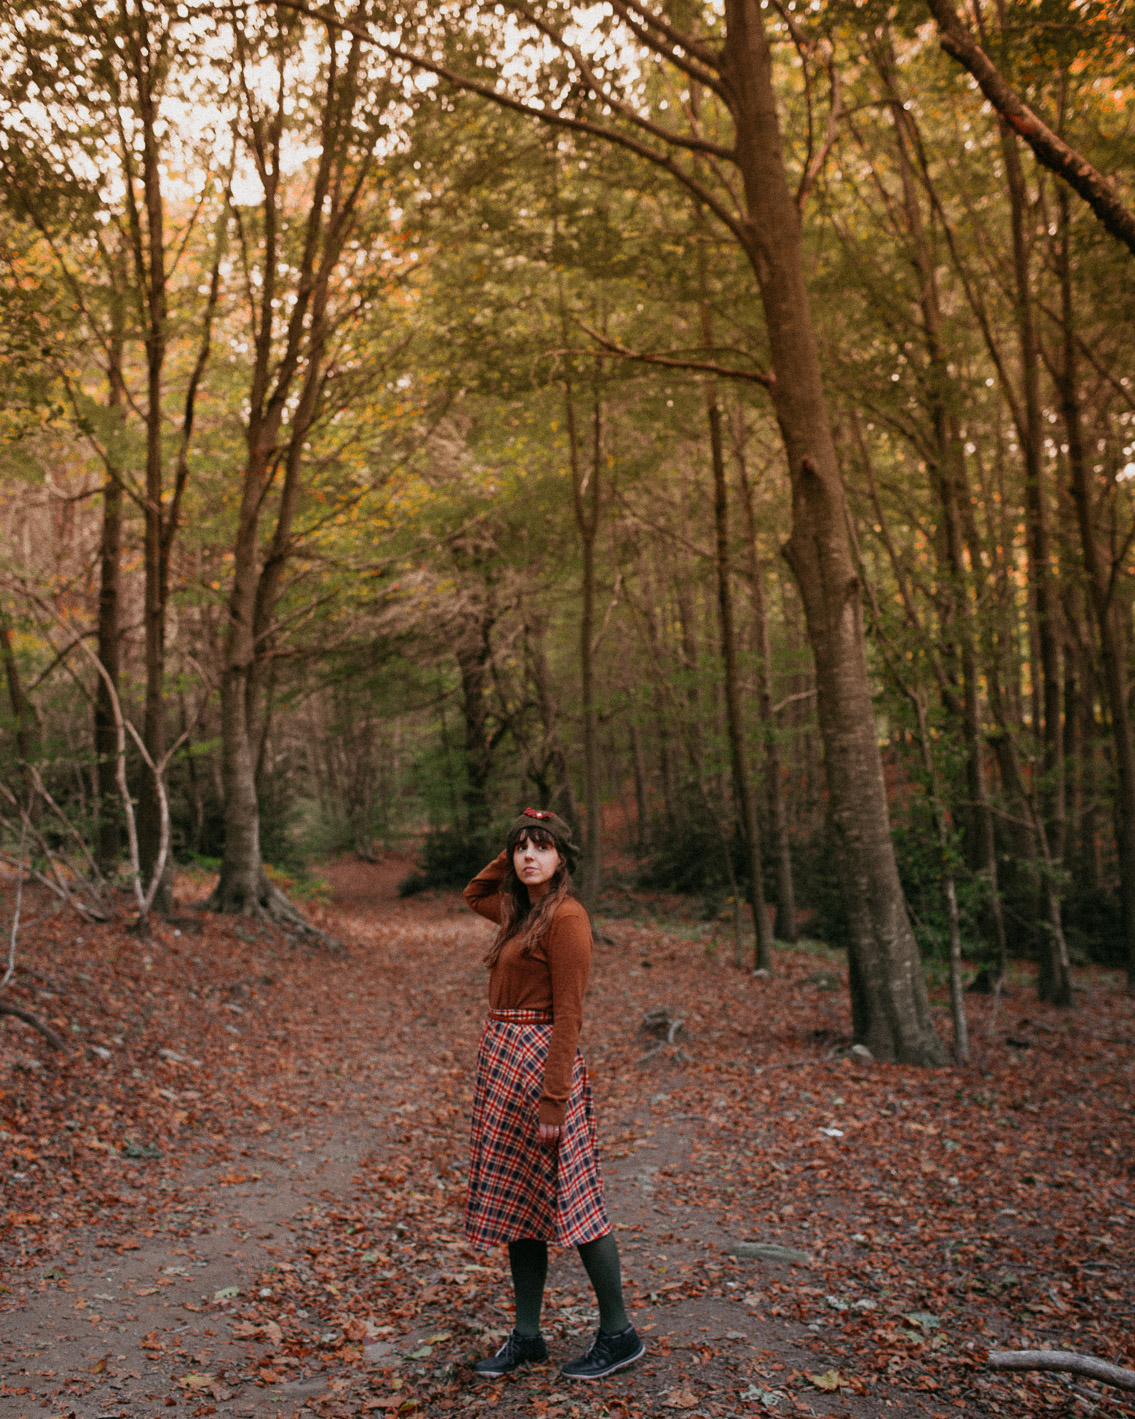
[(549, 1132)]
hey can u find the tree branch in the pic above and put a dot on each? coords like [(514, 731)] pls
[(675, 363), (1051, 151), (56, 1041), (1088, 1365), (736, 224)]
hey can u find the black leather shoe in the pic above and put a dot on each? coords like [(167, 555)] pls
[(517, 1350), (608, 1354)]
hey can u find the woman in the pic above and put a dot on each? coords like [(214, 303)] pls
[(534, 1173)]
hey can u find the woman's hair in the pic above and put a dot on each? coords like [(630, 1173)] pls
[(518, 916)]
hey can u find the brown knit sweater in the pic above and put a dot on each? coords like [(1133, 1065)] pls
[(552, 977)]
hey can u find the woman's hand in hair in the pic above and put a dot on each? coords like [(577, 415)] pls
[(549, 1132)]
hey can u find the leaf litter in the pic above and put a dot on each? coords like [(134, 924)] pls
[(840, 1233)]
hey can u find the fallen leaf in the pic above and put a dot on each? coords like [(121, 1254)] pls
[(680, 1399), (196, 1382), (926, 1319), (830, 1379)]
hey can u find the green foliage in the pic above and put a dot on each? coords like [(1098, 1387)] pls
[(449, 858), (686, 853)]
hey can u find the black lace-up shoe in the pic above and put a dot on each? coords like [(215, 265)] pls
[(608, 1354), (517, 1350)]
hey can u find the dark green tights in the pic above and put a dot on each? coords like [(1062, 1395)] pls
[(529, 1263)]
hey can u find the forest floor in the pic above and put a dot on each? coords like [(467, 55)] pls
[(239, 1193)]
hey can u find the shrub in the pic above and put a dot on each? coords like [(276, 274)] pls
[(448, 859)]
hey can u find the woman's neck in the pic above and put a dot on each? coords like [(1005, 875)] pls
[(537, 891)]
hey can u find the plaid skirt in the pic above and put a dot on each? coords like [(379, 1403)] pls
[(518, 1187)]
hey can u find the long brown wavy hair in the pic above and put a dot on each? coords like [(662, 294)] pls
[(518, 916)]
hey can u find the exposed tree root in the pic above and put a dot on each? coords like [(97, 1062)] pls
[(268, 904), (54, 1040)]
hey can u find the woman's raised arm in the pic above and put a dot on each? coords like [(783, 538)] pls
[(483, 893)]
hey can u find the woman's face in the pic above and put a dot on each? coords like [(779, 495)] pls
[(535, 864)]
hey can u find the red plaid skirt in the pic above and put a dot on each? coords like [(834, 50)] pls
[(519, 1187)]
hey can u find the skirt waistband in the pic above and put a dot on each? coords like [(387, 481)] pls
[(522, 1017)]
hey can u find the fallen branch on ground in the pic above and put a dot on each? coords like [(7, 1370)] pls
[(799, 1063), (1088, 1365), (54, 1040)]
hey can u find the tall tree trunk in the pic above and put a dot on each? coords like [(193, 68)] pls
[(473, 655), (743, 784), (286, 383), (1052, 981), (27, 736), (562, 794), (109, 832), (694, 717), (1108, 620), (785, 925), (242, 886), (641, 797), (151, 258), (890, 1010), (951, 485), (586, 492)]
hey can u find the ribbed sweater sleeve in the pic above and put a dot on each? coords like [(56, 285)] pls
[(483, 893), (568, 949)]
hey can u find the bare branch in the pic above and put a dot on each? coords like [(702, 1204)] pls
[(674, 362), (56, 1041), (1068, 1360), (643, 20), (820, 156), (553, 117), (595, 84), (1051, 151)]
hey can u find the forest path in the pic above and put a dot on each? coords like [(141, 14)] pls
[(299, 1252)]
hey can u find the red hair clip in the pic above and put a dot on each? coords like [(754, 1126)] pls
[(540, 813)]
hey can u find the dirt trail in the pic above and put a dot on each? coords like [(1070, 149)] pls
[(370, 1055)]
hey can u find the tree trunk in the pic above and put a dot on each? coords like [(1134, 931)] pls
[(561, 796), (1052, 982), (785, 925), (242, 887), (286, 382), (889, 1006), (586, 503), (473, 656), (108, 843), (1107, 617), (951, 484), (109, 834), (638, 759), (743, 785), (25, 725), (150, 258)]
